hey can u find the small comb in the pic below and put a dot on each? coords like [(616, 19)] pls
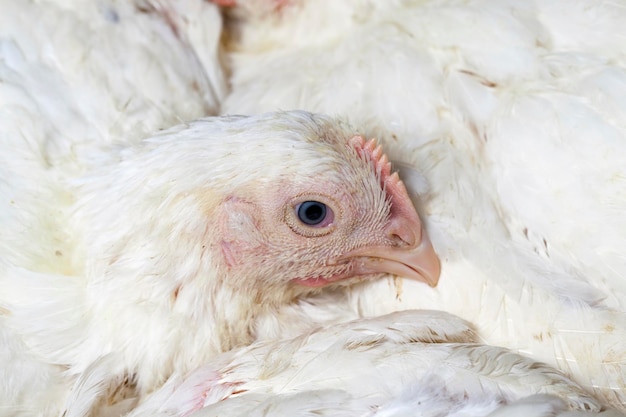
[(373, 152), (392, 184)]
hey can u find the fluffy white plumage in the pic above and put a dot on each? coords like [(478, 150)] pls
[(59, 97), (479, 97), (514, 113), (66, 86), (181, 241), (130, 256), (414, 363)]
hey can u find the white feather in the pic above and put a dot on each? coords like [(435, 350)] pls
[(75, 76), (392, 365)]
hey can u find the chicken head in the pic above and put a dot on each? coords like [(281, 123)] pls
[(187, 237), (322, 207)]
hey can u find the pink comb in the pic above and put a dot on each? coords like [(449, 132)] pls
[(391, 183), (373, 152)]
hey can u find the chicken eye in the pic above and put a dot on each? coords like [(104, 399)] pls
[(313, 213)]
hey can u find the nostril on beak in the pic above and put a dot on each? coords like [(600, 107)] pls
[(403, 239), (398, 241), (403, 234)]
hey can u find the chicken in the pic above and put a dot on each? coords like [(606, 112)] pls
[(76, 75), (124, 257), (512, 115), (181, 240), (414, 363)]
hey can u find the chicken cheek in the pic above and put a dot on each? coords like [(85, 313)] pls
[(239, 231)]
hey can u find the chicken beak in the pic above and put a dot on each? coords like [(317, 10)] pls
[(419, 262)]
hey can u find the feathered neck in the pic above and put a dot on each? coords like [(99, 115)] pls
[(154, 293)]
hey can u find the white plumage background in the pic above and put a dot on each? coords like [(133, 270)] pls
[(506, 119), (76, 76)]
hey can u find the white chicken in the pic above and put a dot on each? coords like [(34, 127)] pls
[(414, 363), (180, 241), (117, 293), (514, 113), (74, 75), (125, 259), (174, 245)]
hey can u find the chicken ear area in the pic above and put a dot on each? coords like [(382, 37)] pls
[(237, 230)]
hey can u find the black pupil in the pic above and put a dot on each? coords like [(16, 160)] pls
[(312, 212)]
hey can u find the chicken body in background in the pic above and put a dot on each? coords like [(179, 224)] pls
[(413, 363), (75, 76), (68, 86), (514, 116)]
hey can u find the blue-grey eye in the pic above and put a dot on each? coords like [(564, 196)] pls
[(312, 213)]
